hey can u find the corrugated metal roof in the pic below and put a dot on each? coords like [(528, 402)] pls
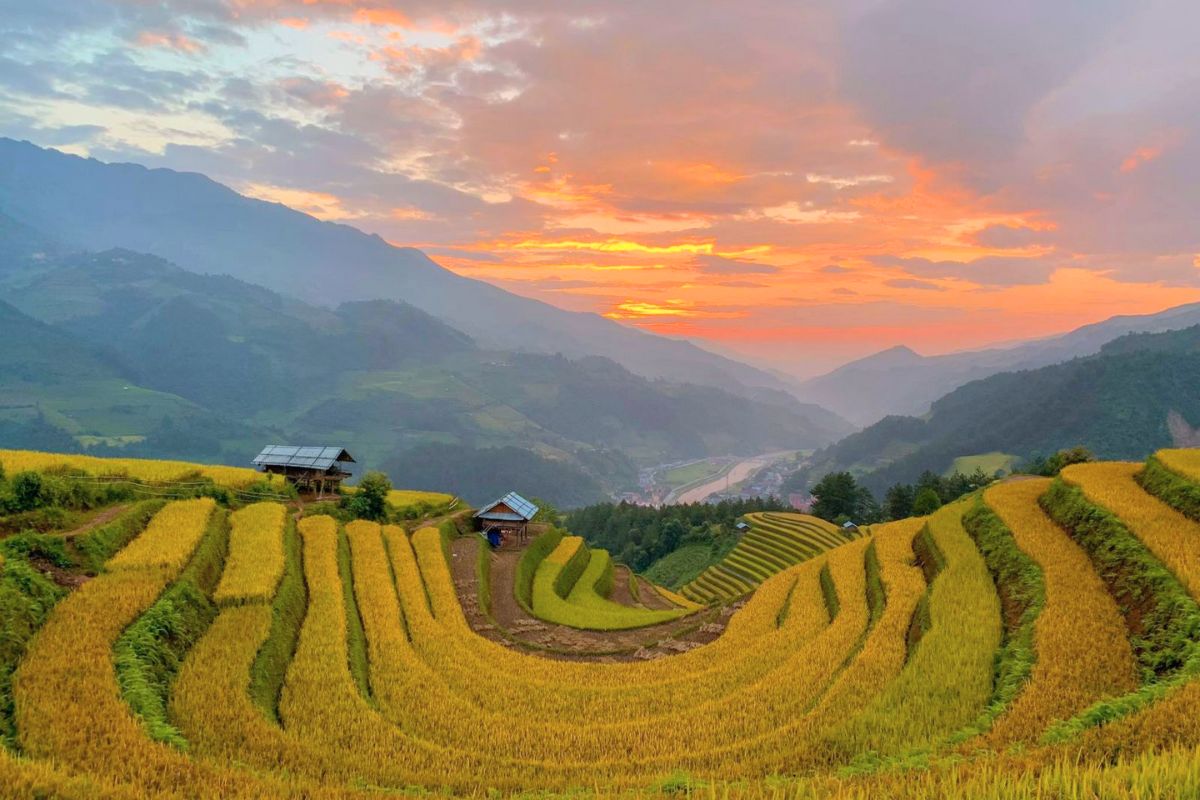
[(501, 516), (525, 509), (281, 455)]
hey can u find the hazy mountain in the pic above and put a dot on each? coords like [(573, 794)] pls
[(899, 381), (384, 378), (1139, 393), (205, 227)]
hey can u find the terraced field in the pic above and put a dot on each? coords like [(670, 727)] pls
[(776, 541), (233, 652), (572, 585)]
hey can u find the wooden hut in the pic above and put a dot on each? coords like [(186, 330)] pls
[(510, 514), (308, 468)]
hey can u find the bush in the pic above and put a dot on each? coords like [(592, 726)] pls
[(370, 501), (926, 502)]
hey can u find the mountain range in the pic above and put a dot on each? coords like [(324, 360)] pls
[(899, 381), (202, 226), (151, 312), (123, 351), (1137, 394)]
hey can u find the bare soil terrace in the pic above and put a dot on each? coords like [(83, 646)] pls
[(510, 625)]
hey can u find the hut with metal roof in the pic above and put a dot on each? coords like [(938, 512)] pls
[(510, 514), (308, 468)]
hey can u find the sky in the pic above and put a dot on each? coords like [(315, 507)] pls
[(793, 183)]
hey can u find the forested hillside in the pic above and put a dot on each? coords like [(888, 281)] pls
[(209, 367), (1119, 404)]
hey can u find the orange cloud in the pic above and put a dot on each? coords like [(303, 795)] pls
[(1142, 155), (319, 204), (170, 41), (298, 23)]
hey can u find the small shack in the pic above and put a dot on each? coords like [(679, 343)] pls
[(510, 514), (307, 468), (742, 526)]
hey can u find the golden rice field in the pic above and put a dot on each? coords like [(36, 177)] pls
[(1040, 638), (137, 469)]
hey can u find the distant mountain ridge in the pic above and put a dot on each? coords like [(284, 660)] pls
[(124, 350), (899, 381), (1141, 392), (205, 227)]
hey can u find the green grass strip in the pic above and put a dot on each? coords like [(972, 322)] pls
[(1022, 590), (356, 637), (1166, 640), (287, 615), (150, 651), (876, 592), (1175, 490), (527, 565), (829, 592), (483, 575)]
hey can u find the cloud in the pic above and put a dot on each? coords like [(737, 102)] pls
[(718, 265), (955, 82), (913, 283), (607, 143), (848, 181), (988, 271), (795, 213), (1008, 236)]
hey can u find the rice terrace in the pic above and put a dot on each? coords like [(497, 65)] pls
[(677, 399), (215, 636)]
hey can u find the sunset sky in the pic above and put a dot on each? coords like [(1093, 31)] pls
[(796, 183)]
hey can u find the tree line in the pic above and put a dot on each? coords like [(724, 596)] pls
[(639, 535), (839, 497)]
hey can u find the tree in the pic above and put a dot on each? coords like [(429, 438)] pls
[(370, 501), (27, 490), (898, 503), (1049, 467), (547, 512), (838, 495), (672, 534), (926, 502)]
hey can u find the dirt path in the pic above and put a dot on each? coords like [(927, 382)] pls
[(650, 598), (102, 517), (621, 592), (510, 625)]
